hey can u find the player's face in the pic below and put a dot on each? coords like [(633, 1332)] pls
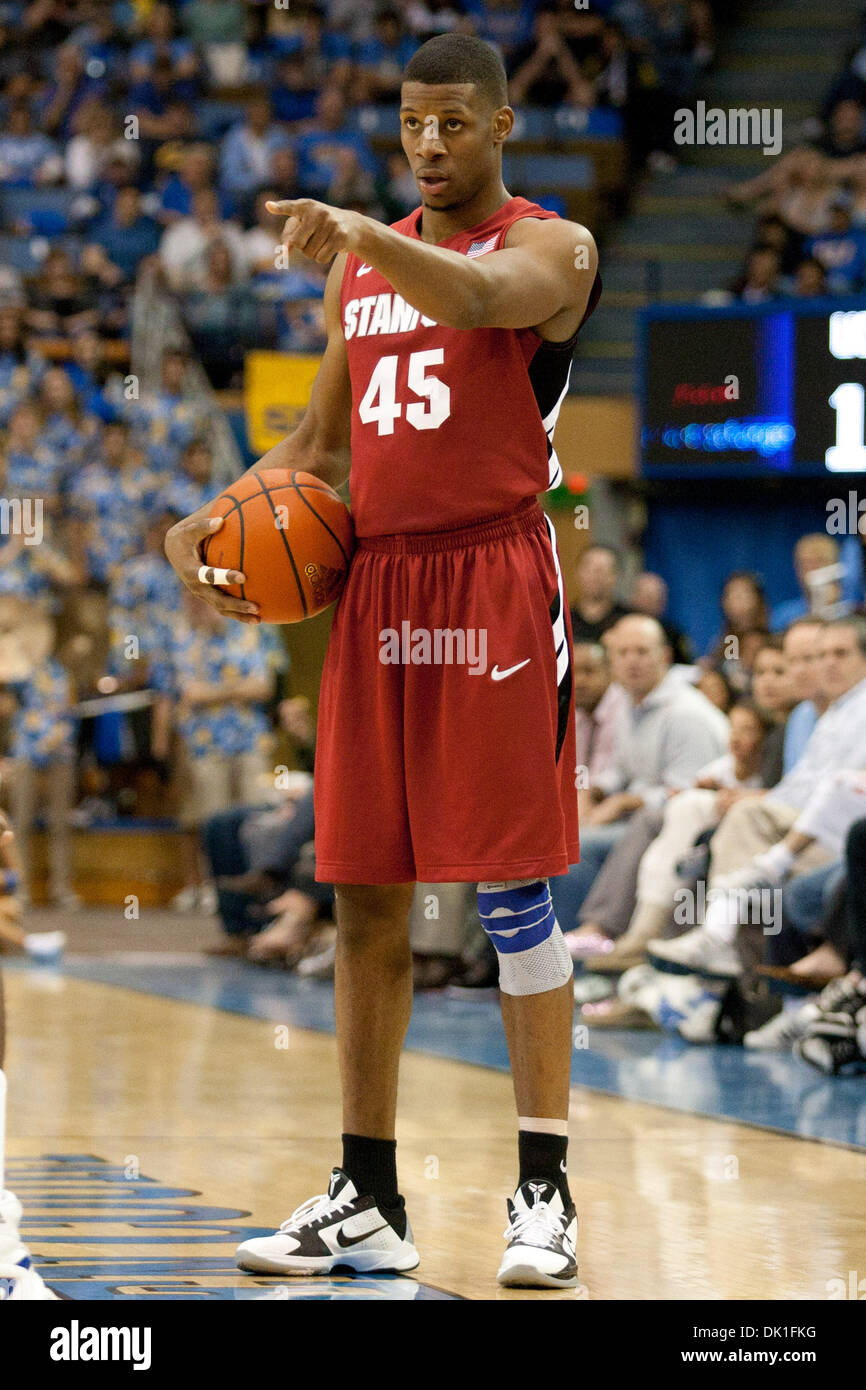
[(451, 138)]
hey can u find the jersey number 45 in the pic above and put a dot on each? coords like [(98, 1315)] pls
[(381, 407)]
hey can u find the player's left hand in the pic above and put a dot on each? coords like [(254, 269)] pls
[(321, 232)]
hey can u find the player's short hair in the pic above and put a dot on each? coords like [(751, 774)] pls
[(454, 58)]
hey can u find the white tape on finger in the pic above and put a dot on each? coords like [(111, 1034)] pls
[(208, 575)]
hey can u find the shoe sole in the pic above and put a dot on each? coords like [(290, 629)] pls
[(363, 1262), (527, 1276)]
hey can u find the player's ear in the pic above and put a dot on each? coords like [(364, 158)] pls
[(503, 124)]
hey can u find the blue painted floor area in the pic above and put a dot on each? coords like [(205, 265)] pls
[(773, 1090), (78, 1200)]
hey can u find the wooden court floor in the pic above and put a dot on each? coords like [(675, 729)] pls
[(211, 1124)]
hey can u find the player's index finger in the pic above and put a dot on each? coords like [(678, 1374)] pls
[(286, 205)]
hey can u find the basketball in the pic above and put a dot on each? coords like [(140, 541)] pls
[(292, 538)]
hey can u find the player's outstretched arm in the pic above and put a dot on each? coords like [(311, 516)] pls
[(545, 268), (319, 445)]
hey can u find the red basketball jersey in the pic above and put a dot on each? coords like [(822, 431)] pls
[(449, 426)]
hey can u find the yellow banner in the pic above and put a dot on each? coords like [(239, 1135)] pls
[(277, 389)]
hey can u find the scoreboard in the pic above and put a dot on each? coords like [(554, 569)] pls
[(754, 391)]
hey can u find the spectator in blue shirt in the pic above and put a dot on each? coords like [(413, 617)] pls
[(841, 250), (247, 152), (196, 173), (325, 53), (125, 234), (381, 59), (504, 23), (162, 42), (27, 157), (194, 485), (811, 553), (70, 87), (86, 371), (320, 148), (294, 92)]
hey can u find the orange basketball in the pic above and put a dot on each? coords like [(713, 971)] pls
[(290, 535)]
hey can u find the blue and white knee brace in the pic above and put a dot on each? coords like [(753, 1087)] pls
[(519, 919)]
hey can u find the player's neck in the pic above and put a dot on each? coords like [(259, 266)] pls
[(439, 226)]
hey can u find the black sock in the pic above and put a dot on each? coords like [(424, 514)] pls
[(372, 1166), (544, 1156)]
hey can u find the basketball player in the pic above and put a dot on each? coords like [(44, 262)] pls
[(19, 1281), (450, 338)]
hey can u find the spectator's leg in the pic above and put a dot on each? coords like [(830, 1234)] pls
[(226, 855), (569, 890), (855, 863), (610, 901), (22, 806), (61, 777)]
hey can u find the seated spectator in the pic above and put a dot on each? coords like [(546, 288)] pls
[(88, 372), (775, 694), (756, 826), (840, 251), (810, 279), (163, 42), (167, 419), (196, 174), (797, 188), (111, 501), (33, 468), (262, 241), (326, 54), (247, 151), (21, 367), (42, 753), (598, 705), (545, 71), (844, 134), (812, 553), (717, 688), (125, 234), (380, 59), (28, 158), (194, 485), (744, 610), (667, 733), (218, 28), (760, 280), (65, 425), (631, 900), (215, 681), (284, 175), (320, 149), (60, 300), (184, 247), (145, 596), (97, 141), (829, 1032), (68, 88), (294, 93), (596, 609), (222, 317), (649, 595), (800, 648)]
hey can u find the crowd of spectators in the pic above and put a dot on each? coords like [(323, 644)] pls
[(810, 237)]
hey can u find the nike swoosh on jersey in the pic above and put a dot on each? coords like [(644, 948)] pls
[(356, 1240), (497, 675), (363, 270)]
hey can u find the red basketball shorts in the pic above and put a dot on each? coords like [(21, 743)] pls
[(446, 743)]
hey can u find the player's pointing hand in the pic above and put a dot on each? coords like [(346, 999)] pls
[(321, 232), (183, 548)]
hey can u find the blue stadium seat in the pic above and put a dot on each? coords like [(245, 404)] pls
[(17, 204), (533, 123), (568, 171), (573, 123)]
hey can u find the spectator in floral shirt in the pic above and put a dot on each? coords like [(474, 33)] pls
[(111, 500)]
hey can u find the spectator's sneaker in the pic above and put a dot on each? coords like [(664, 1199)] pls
[(338, 1228), (696, 953), (19, 1281), (846, 995), (834, 1043), (542, 1238), (783, 1029)]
